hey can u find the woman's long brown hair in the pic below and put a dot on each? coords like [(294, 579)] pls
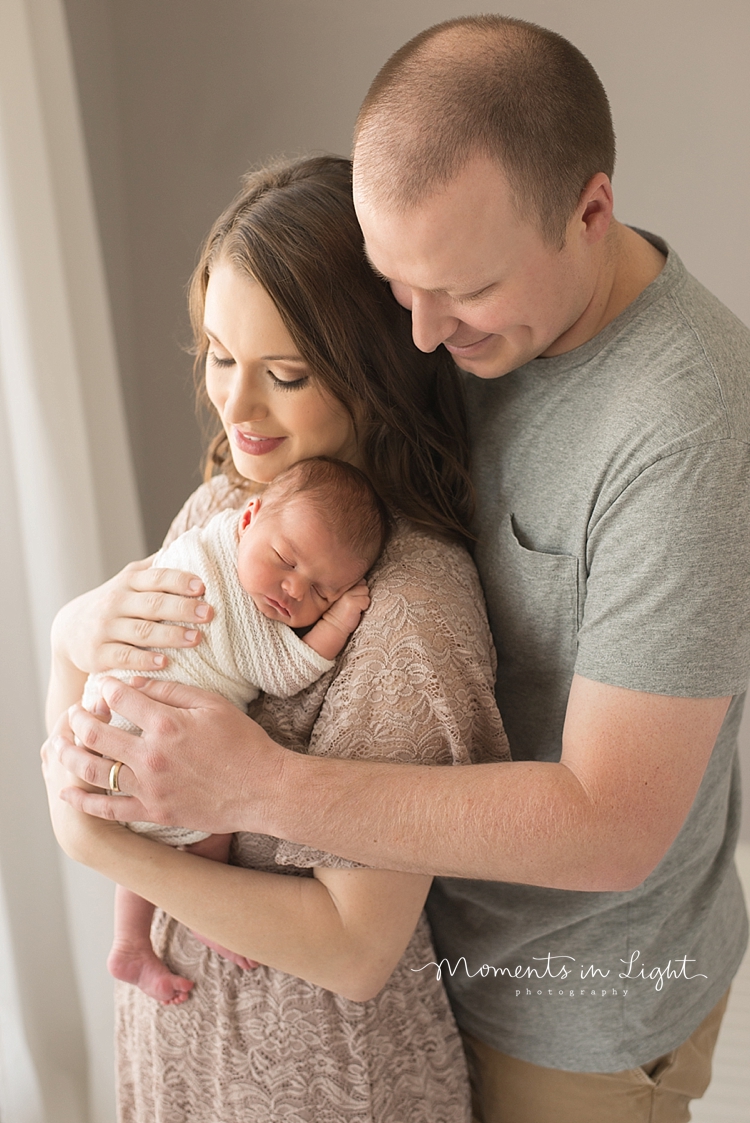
[(294, 230)]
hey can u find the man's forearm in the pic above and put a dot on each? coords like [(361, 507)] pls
[(600, 820), (524, 822)]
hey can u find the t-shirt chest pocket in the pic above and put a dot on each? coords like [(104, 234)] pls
[(532, 597)]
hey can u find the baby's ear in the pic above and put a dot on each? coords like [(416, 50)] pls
[(249, 514)]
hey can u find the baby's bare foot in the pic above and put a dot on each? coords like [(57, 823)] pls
[(239, 960), (141, 966)]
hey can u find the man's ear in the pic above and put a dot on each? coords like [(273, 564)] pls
[(595, 207), (250, 514)]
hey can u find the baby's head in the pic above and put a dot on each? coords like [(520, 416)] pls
[(313, 534)]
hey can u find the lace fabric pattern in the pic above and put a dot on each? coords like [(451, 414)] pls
[(414, 685)]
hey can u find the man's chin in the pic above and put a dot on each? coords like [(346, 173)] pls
[(496, 358), (484, 368)]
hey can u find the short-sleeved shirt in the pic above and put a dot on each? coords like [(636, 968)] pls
[(614, 533)]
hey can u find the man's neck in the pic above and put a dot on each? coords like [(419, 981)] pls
[(629, 264)]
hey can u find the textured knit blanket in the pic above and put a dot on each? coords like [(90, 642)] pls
[(241, 651)]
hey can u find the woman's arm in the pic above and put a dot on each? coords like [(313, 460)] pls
[(112, 627), (343, 929)]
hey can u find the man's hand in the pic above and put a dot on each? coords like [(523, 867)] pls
[(197, 764)]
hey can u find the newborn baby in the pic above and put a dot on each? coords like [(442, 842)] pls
[(293, 557)]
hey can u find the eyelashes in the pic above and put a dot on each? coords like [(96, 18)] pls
[(278, 383), (282, 384)]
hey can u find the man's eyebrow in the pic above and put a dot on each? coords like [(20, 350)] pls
[(382, 277), (432, 292)]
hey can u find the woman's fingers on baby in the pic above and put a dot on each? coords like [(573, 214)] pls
[(124, 656), (82, 765), (155, 605), (118, 808), (129, 649), (174, 582)]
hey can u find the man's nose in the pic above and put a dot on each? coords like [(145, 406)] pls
[(430, 324)]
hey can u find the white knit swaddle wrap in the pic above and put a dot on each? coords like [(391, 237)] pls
[(241, 651)]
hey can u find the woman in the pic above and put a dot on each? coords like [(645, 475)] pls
[(306, 353)]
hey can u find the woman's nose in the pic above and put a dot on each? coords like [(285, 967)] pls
[(245, 401)]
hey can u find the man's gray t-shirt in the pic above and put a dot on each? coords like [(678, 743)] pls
[(614, 529)]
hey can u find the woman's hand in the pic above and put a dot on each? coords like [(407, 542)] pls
[(113, 626), (76, 833)]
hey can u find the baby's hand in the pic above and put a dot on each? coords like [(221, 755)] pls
[(346, 612), (331, 632)]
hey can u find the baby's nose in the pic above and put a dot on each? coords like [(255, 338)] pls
[(293, 586)]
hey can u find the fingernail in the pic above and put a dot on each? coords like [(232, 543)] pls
[(159, 660), (191, 636), (201, 611), (195, 585)]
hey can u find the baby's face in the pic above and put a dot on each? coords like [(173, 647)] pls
[(291, 564)]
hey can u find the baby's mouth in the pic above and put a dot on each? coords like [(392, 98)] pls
[(279, 607)]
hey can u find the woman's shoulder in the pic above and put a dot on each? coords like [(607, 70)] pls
[(217, 494), (419, 567), (427, 608), (416, 680), (411, 547)]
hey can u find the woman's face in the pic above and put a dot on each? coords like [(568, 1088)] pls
[(273, 410)]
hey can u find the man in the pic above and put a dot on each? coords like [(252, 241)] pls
[(611, 424)]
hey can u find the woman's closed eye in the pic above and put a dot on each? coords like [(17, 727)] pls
[(220, 361), (288, 383)]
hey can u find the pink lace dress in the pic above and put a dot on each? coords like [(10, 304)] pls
[(414, 684)]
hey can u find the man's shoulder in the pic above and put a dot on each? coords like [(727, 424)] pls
[(682, 357), (716, 343), (672, 371)]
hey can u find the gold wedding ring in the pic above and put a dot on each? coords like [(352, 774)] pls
[(114, 777)]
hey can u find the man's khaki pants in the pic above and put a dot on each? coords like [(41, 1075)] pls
[(507, 1090)]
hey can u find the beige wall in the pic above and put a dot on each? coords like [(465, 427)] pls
[(179, 98)]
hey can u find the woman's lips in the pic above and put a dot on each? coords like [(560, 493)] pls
[(255, 444)]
